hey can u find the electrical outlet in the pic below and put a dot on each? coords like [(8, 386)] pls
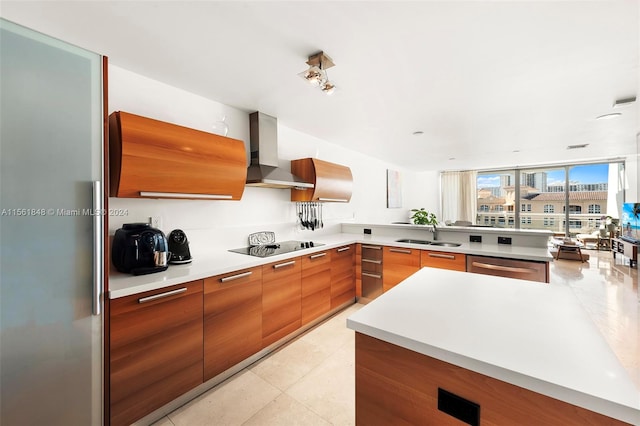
[(156, 222)]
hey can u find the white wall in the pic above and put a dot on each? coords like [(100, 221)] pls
[(227, 223)]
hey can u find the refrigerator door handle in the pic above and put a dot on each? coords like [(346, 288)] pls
[(98, 247)]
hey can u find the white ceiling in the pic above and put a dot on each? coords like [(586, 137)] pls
[(481, 79)]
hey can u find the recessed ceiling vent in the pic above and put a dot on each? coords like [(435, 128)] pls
[(579, 146), (624, 102)]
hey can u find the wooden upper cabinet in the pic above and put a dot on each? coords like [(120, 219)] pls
[(154, 159), (333, 182)]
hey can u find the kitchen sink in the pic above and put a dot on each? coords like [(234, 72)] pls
[(445, 244), (412, 241)]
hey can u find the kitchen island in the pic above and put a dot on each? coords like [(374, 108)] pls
[(518, 352)]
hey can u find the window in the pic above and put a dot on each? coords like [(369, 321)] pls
[(495, 192), (573, 224), (573, 209), (547, 195)]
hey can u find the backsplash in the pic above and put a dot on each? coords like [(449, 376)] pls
[(227, 224)]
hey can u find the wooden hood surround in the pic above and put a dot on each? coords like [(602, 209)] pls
[(154, 159), (333, 182)]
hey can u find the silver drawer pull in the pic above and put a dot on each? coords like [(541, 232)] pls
[(503, 268), (315, 256), (282, 265), (343, 200), (400, 251), (378, 262), (235, 277), (161, 295), (442, 256), (372, 247), (366, 274), (183, 195), (343, 249)]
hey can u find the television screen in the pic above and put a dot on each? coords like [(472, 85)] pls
[(630, 221)]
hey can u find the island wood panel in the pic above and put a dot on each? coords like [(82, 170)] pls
[(395, 385), (232, 319), (332, 182), (316, 285), (398, 263), (281, 299), (155, 350), (443, 260), (343, 283), (155, 156)]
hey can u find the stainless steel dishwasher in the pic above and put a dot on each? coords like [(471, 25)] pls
[(510, 268)]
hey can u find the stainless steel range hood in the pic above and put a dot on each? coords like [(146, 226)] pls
[(263, 170)]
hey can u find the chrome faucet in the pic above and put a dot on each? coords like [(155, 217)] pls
[(435, 232)]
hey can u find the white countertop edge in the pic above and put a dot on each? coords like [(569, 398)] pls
[(452, 228), (612, 409), (210, 264)]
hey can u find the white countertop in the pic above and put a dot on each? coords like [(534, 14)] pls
[(221, 261), (533, 335)]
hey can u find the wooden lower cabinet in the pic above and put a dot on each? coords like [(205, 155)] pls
[(316, 285), (443, 260), (343, 277), (396, 386), (281, 299), (232, 319), (155, 349), (397, 264)]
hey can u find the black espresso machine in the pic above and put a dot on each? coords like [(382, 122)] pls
[(139, 249), (179, 247)]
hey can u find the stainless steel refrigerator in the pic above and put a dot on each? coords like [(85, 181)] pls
[(51, 230)]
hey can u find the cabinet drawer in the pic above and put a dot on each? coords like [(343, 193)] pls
[(343, 283), (281, 299), (510, 268), (232, 279), (316, 285), (371, 259), (443, 260), (232, 319), (398, 264), (148, 368)]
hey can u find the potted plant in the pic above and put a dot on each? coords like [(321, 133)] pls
[(423, 217)]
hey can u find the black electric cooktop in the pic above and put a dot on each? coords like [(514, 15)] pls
[(273, 249)]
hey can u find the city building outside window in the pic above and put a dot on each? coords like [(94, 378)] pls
[(588, 191)]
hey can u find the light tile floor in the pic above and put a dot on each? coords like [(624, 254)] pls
[(310, 381)]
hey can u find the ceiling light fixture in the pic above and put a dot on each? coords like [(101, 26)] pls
[(317, 75)]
